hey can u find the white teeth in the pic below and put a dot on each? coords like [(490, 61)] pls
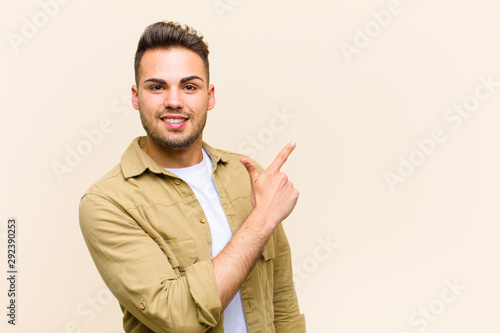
[(174, 120)]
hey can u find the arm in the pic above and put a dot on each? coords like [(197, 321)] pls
[(273, 198), (140, 275)]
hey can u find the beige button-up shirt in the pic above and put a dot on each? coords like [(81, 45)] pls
[(151, 243)]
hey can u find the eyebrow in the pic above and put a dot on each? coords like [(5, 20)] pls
[(156, 80), (189, 78), (183, 80)]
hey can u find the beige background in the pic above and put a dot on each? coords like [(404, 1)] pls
[(391, 253)]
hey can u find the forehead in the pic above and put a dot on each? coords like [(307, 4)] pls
[(171, 64)]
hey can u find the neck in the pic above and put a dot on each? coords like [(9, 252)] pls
[(174, 158)]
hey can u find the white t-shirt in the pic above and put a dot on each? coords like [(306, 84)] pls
[(200, 178)]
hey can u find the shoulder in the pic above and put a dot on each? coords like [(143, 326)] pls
[(113, 180), (229, 155)]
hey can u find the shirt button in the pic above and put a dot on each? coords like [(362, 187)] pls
[(203, 220), (142, 305), (177, 181)]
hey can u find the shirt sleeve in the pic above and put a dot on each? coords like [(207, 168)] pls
[(138, 272), (287, 317)]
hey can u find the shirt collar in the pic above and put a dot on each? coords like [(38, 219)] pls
[(135, 161)]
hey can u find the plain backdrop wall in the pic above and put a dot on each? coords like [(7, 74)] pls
[(393, 105)]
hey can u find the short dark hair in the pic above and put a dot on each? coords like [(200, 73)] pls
[(166, 35)]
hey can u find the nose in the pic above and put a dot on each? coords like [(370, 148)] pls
[(173, 99)]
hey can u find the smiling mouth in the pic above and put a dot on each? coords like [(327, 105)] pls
[(174, 120)]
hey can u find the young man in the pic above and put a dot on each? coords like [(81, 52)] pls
[(187, 237)]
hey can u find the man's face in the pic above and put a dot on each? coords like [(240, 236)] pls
[(173, 96)]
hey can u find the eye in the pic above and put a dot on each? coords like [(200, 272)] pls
[(156, 87), (190, 87)]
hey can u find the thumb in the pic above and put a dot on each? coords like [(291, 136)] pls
[(251, 168)]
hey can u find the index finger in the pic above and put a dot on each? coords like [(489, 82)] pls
[(282, 157)]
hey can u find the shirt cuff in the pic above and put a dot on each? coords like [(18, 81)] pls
[(297, 325), (201, 281)]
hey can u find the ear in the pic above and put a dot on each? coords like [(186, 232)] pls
[(135, 97), (211, 97)]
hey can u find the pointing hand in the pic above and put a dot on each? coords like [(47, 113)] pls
[(272, 193)]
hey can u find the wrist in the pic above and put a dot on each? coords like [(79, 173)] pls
[(259, 222)]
